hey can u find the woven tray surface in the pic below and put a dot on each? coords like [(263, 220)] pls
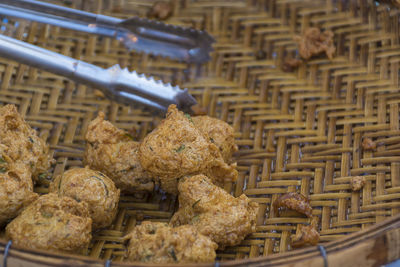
[(297, 131)]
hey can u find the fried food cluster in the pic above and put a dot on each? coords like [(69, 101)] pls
[(52, 223), (314, 42), (294, 201), (177, 148), (20, 143), (92, 187), (113, 152), (214, 212), (156, 242)]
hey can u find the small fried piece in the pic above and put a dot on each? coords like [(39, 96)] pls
[(294, 201), (93, 187), (368, 144), (357, 182), (21, 143), (307, 234), (113, 152), (16, 189), (220, 133), (290, 64), (214, 212), (160, 10), (156, 242), (52, 223), (177, 148), (313, 42)]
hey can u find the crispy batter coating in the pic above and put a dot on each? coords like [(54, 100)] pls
[(52, 223), (16, 189), (214, 212), (177, 148), (307, 234), (160, 10), (113, 152), (314, 42), (93, 187), (368, 144), (220, 133), (357, 182), (157, 242), (21, 143), (294, 201)]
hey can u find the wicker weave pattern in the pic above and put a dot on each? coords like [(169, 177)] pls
[(299, 131)]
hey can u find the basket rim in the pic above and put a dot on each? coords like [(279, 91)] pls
[(282, 259)]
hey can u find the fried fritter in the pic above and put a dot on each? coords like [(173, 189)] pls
[(21, 143), (214, 212), (294, 201), (307, 234), (156, 242), (220, 133), (177, 148), (52, 223), (16, 189), (113, 152), (93, 187)]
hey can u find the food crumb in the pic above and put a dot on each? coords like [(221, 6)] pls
[(160, 10), (368, 144), (307, 234), (313, 42), (290, 64), (294, 201), (357, 182)]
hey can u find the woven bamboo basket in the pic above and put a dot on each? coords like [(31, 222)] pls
[(297, 131)]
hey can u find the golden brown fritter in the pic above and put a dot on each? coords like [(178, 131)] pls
[(294, 201), (52, 223), (156, 242), (93, 187), (313, 42), (21, 143), (113, 152), (177, 148), (16, 189), (220, 133), (214, 212)]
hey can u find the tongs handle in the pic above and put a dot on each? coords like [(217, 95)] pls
[(117, 84)]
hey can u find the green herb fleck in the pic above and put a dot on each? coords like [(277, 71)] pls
[(130, 136), (171, 251), (195, 203), (196, 218), (43, 175), (212, 140), (47, 214), (189, 118), (150, 148), (31, 140), (2, 160), (180, 149), (3, 170)]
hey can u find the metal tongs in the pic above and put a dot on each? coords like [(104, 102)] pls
[(116, 83), (143, 35)]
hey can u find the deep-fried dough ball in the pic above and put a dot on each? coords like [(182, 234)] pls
[(21, 142), (214, 212), (93, 187), (16, 189), (220, 133), (156, 242), (52, 223), (177, 148), (113, 152)]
